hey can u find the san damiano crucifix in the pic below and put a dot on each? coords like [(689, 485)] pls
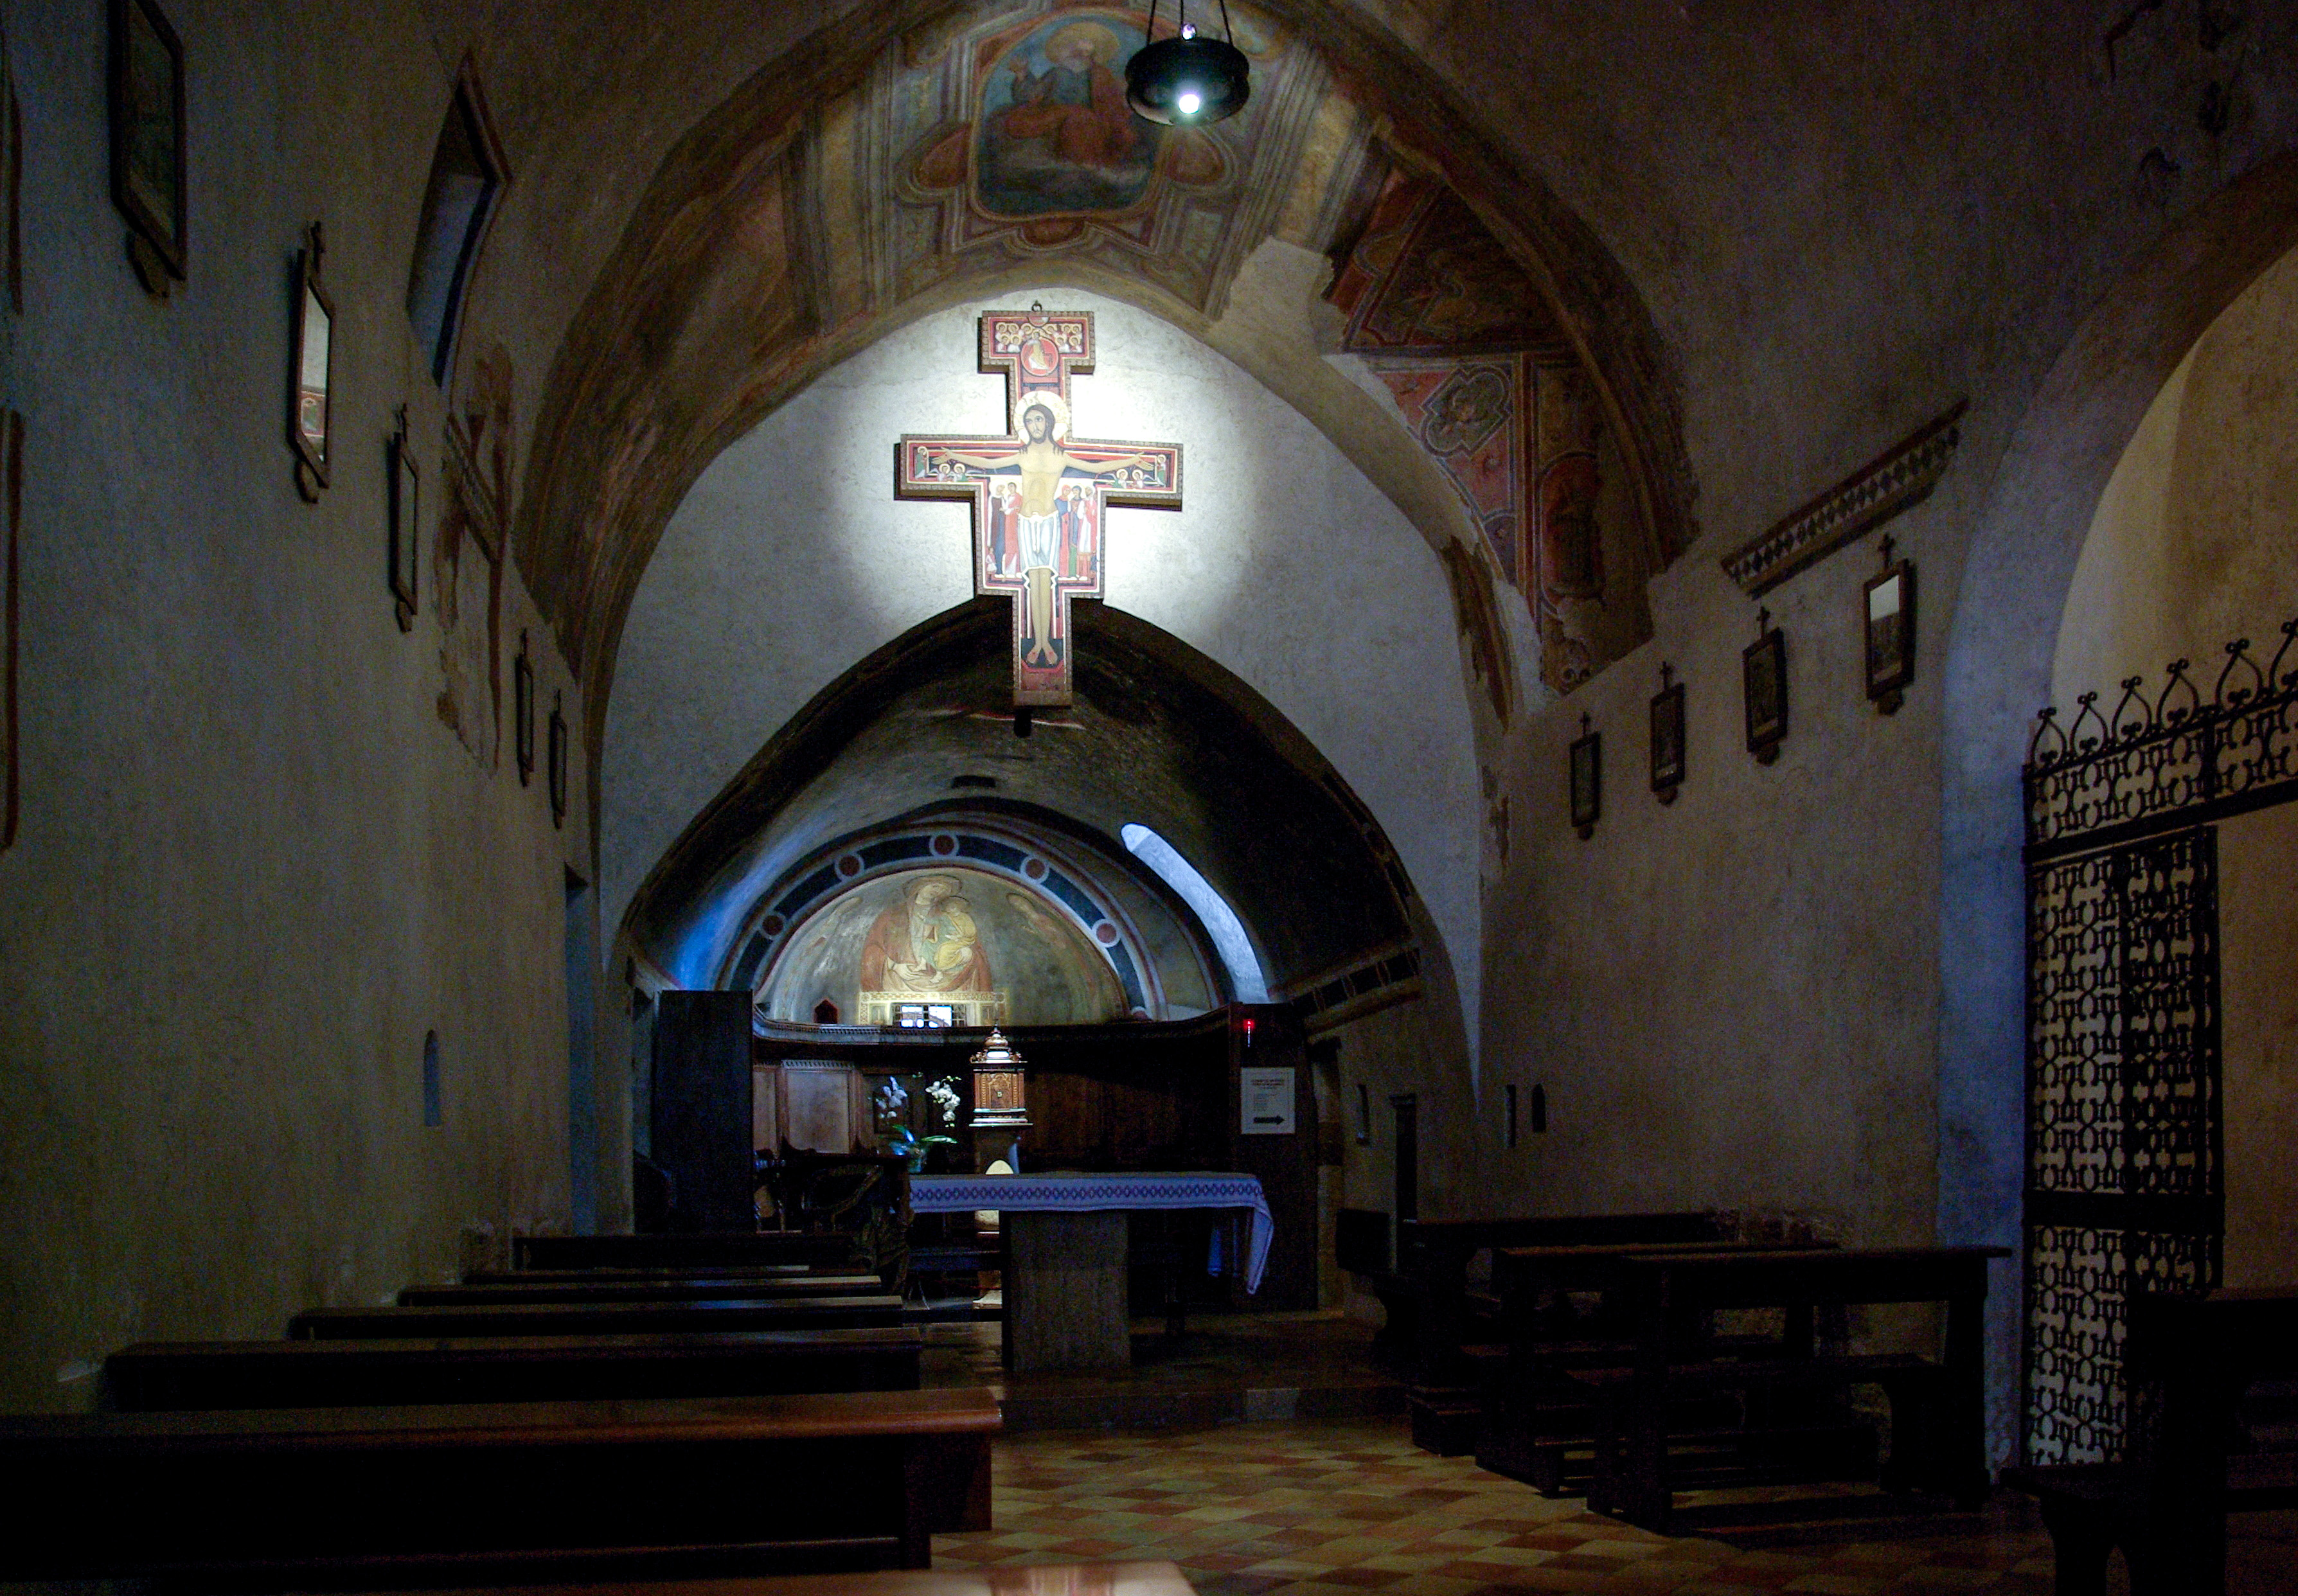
[(1039, 496)]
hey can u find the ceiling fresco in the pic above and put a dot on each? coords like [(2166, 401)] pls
[(892, 166), (1488, 384)]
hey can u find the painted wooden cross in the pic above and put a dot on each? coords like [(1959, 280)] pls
[(1039, 496)]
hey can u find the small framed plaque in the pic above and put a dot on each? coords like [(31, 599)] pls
[(1889, 613), (1667, 737), (1764, 688), (558, 762), (147, 139), (406, 521), (310, 409), (1587, 780), (522, 676)]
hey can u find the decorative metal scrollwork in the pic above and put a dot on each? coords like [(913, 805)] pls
[(2162, 759)]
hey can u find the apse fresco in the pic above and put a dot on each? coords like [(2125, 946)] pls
[(975, 944)]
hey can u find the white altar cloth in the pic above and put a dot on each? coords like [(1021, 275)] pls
[(1087, 1194)]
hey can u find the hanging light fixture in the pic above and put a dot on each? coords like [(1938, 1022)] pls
[(1187, 81)]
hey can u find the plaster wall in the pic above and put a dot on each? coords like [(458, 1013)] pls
[(791, 559), (253, 867), (2194, 542), (2196, 539)]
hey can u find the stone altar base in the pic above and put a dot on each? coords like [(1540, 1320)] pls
[(1065, 1292)]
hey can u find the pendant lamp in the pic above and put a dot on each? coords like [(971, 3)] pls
[(1187, 81)]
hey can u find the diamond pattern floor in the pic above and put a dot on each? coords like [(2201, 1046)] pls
[(1308, 1509)]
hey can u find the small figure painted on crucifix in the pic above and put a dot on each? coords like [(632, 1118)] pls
[(1039, 495)]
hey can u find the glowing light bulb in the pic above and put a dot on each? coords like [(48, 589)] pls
[(1188, 30), (1190, 103)]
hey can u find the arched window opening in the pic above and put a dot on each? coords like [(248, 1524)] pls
[(1211, 909)]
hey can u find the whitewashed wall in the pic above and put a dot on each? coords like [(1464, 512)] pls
[(792, 559)]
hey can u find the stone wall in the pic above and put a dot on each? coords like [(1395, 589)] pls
[(253, 867)]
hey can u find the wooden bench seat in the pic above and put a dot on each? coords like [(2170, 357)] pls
[(596, 1318), (706, 1249), (667, 1288), (726, 1271), (1537, 1423), (499, 1493), (2194, 1361), (1937, 1404), (155, 1376), (1031, 1579)]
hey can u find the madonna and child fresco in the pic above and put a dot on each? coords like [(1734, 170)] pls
[(992, 952), (1055, 132)]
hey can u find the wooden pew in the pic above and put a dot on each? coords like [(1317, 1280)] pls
[(1030, 1579), (662, 1288), (499, 1493), (1937, 1404), (724, 1271), (1538, 1425), (1454, 1340), (163, 1376), (2167, 1507), (707, 1250), (596, 1318)]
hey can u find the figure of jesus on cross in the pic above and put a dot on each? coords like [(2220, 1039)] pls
[(1039, 495)]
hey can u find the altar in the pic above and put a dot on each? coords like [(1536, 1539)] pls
[(1065, 1238)]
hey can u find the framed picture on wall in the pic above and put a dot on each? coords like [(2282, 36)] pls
[(147, 137), (1889, 611), (522, 673), (310, 407), (1587, 778), (557, 772), (406, 519), (1667, 756), (1763, 686)]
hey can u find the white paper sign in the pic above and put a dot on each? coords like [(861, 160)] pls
[(1267, 1096)]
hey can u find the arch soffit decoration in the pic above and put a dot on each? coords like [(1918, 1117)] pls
[(751, 266), (703, 867), (1053, 875)]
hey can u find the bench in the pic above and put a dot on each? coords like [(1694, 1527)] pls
[(704, 1250), (662, 1288), (1452, 1336), (2166, 1507), (309, 1498), (1033, 1579), (1538, 1425), (596, 1318), (725, 1271), (157, 1376), (1936, 1405)]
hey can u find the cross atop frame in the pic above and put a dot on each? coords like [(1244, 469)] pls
[(1039, 496)]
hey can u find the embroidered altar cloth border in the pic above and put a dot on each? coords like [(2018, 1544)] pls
[(1090, 1194)]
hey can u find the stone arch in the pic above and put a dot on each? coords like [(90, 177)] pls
[(2023, 554)]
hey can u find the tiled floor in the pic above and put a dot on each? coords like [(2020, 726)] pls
[(1311, 1508)]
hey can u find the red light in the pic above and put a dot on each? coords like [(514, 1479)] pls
[(1248, 1033)]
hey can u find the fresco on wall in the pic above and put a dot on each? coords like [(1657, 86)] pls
[(1487, 383), (1055, 131), (967, 941)]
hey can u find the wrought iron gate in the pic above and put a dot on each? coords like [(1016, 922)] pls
[(2125, 1191)]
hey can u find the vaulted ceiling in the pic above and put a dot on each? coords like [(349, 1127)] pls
[(855, 179)]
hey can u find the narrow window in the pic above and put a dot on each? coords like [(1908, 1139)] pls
[(1511, 1113), (433, 1113), (1539, 1111), (467, 174), (1213, 911), (1364, 1115)]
